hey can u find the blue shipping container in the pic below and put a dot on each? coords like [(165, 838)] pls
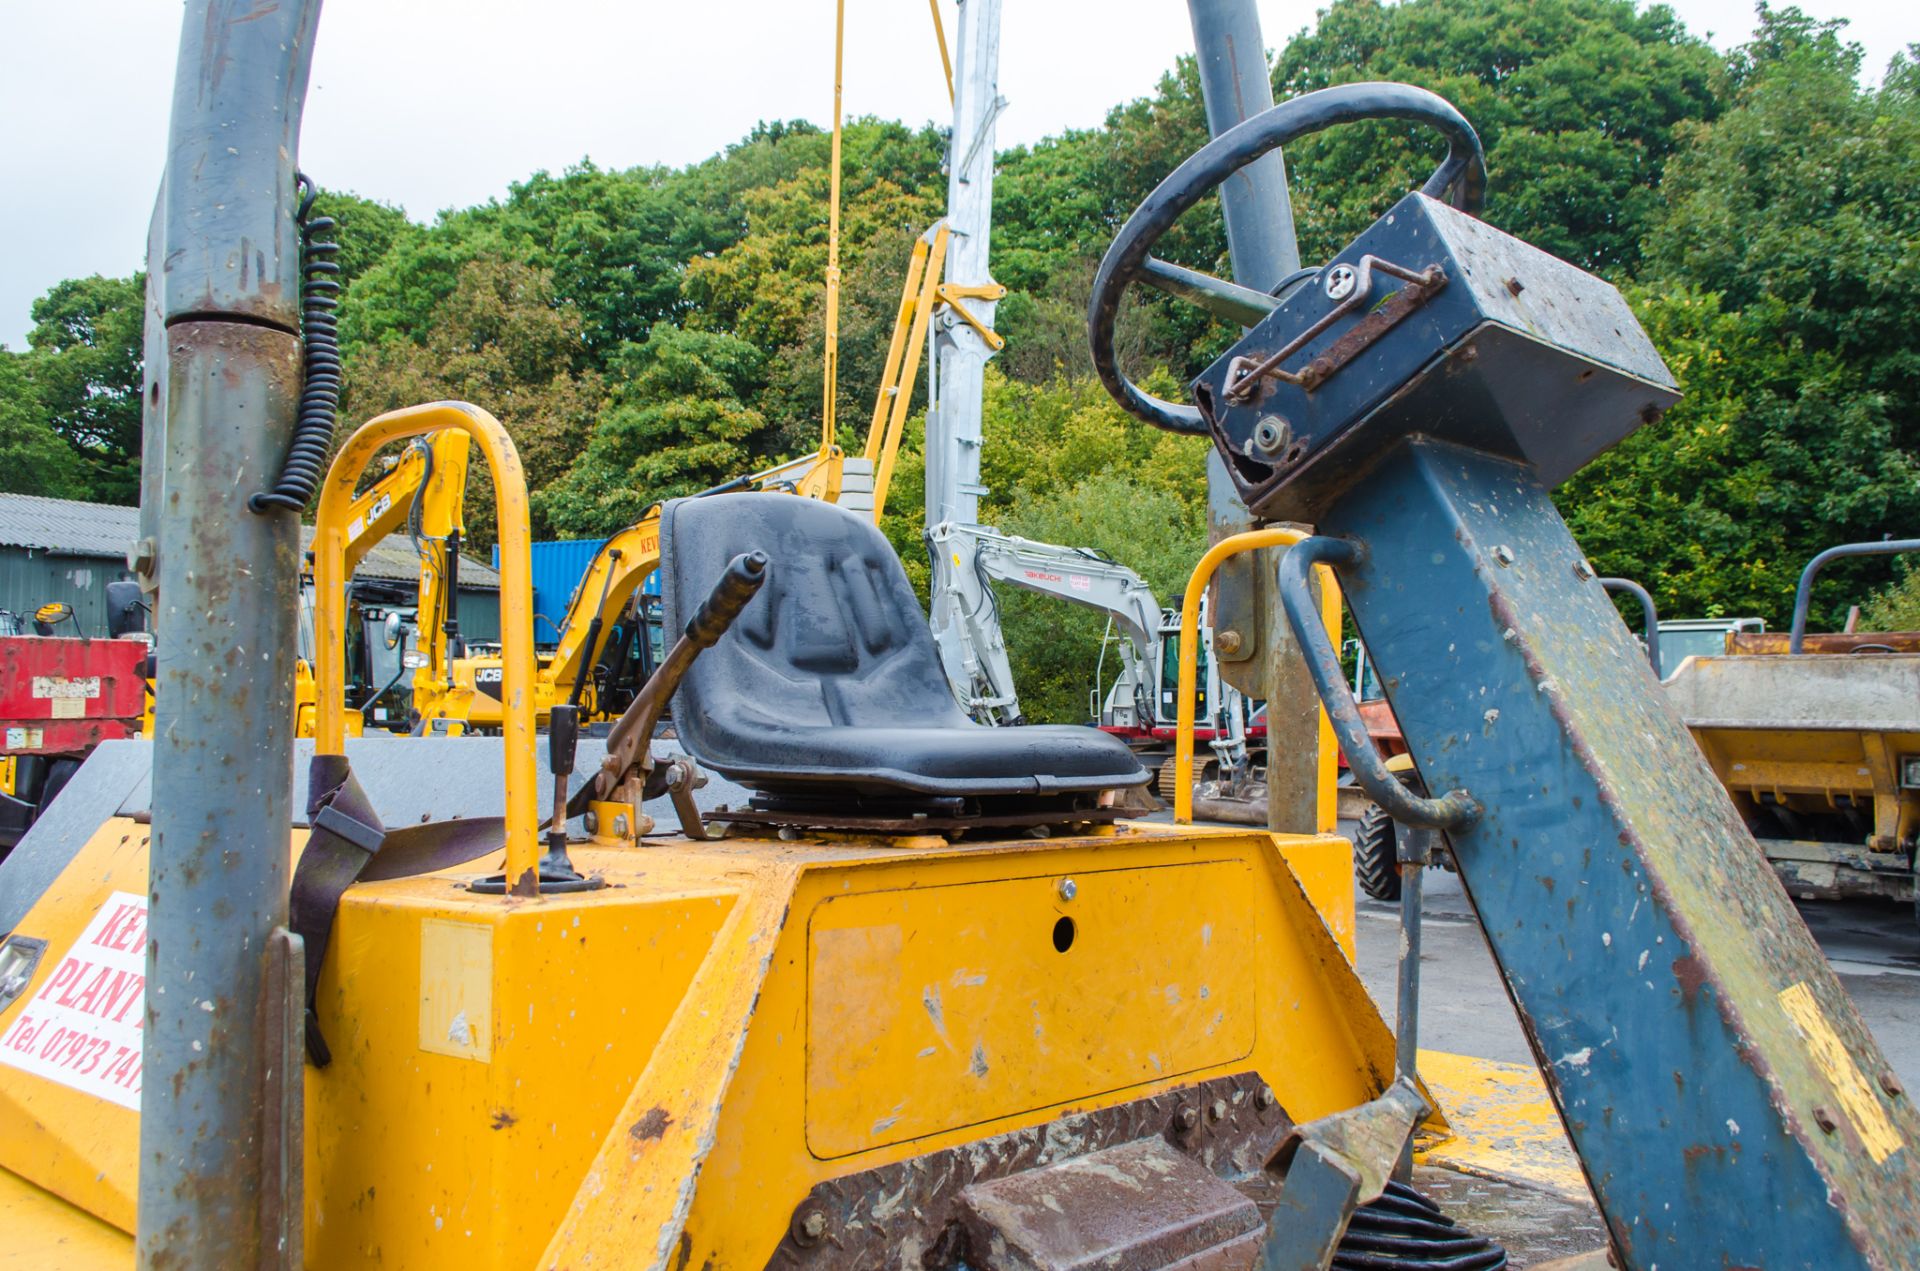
[(558, 567)]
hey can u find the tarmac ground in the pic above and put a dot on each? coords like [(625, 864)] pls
[(1464, 1009)]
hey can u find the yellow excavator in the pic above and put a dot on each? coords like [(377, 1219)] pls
[(423, 489), (455, 694)]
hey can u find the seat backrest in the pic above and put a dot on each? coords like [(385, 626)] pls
[(829, 682), (836, 636)]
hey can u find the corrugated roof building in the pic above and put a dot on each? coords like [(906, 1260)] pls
[(67, 550)]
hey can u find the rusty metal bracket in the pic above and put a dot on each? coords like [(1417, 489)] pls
[(1330, 1168), (1245, 374), (682, 779)]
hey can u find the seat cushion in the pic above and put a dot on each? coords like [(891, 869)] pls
[(830, 675)]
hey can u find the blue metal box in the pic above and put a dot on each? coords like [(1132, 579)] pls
[(1430, 322)]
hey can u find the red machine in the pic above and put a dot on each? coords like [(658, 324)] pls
[(59, 698)]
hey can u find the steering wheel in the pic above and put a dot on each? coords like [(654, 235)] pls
[(1461, 177)]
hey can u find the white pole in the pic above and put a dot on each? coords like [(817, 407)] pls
[(953, 417)]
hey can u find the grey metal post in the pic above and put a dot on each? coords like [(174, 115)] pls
[(1235, 85), (219, 1129), (1414, 848), (959, 356)]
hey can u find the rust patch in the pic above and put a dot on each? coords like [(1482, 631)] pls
[(685, 1254), (528, 884), (1692, 973), (651, 1126), (503, 1118)]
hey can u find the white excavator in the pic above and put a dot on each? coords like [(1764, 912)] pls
[(1141, 704)]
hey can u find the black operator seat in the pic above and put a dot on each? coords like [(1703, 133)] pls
[(830, 679)]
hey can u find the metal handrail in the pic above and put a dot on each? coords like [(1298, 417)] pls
[(1647, 611), (1249, 541), (1803, 595), (330, 536)]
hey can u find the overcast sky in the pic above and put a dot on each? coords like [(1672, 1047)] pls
[(434, 104)]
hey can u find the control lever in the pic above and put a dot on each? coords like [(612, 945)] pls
[(630, 743), (563, 741)]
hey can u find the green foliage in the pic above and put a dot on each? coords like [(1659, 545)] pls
[(649, 332), (1068, 466), (1578, 102), (1897, 608), (365, 230), (1806, 195), (1056, 647), (1778, 278), (676, 424), (499, 341), (1776, 452), (84, 366), (33, 458)]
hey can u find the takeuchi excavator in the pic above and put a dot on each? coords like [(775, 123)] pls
[(1140, 706), (916, 996)]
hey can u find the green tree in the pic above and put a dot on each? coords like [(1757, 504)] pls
[(1775, 452), (33, 458), (500, 341), (1579, 103), (1896, 607), (1806, 195), (85, 366), (1777, 282), (1056, 647), (366, 231), (675, 425)]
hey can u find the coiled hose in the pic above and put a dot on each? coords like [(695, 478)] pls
[(320, 341)]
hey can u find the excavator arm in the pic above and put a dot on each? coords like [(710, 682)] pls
[(424, 486), (619, 567), (967, 559)]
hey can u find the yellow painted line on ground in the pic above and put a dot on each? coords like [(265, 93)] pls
[(1503, 1124)]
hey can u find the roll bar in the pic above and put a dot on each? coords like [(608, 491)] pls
[(516, 600), (1249, 541), (1803, 595), (1648, 613)]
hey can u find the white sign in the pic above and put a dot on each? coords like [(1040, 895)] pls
[(56, 687), (83, 1028), (25, 738)]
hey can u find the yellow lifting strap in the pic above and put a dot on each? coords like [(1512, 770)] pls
[(830, 378)]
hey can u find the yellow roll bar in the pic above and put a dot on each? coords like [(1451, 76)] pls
[(516, 603), (1250, 541)]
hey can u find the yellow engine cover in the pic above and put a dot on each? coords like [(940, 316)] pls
[(658, 1072)]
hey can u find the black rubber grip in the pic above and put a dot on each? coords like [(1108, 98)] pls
[(563, 737), (739, 584)]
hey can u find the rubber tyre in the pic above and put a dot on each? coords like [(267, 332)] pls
[(1376, 863)]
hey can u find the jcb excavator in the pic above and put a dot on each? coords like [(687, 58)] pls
[(926, 1003), (466, 693), (424, 490)]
